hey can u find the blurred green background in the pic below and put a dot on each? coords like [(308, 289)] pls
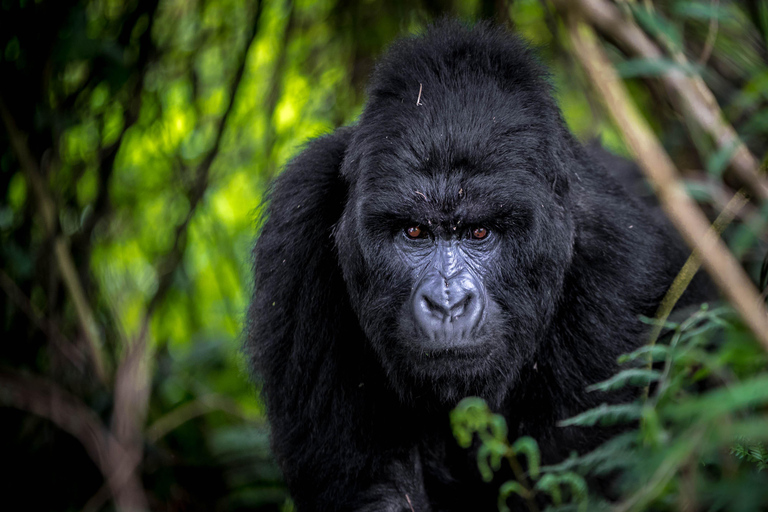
[(138, 140)]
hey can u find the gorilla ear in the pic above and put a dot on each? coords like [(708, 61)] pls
[(297, 276)]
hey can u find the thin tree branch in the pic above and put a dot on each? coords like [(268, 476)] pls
[(686, 274), (47, 400), (684, 213), (62, 254), (190, 410), (709, 44), (107, 155), (696, 99), (200, 184), (275, 90), (76, 357), (132, 381)]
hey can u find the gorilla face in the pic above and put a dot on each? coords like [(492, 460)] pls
[(454, 262), (448, 300)]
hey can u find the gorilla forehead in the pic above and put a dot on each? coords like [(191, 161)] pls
[(480, 178), (491, 131), (470, 103), (454, 196)]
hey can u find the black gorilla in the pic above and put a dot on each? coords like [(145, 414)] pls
[(456, 241)]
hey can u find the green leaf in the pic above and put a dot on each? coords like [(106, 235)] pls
[(506, 489), (485, 459), (667, 324), (719, 402), (656, 353), (616, 453), (577, 485), (529, 447), (658, 26), (652, 67), (718, 161), (550, 484), (699, 10), (471, 416), (629, 377), (605, 414)]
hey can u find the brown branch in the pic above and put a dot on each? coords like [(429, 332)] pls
[(687, 273), (684, 213), (132, 381), (131, 396), (62, 254), (190, 410), (169, 422), (274, 91), (76, 357), (696, 99), (200, 184), (709, 44), (47, 400), (107, 155)]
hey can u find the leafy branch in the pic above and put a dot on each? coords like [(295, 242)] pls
[(687, 217), (472, 418)]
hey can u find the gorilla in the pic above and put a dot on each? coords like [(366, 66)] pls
[(457, 240)]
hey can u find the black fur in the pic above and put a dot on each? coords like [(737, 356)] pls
[(358, 411)]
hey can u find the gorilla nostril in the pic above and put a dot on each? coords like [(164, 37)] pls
[(460, 307), (434, 306), (442, 309)]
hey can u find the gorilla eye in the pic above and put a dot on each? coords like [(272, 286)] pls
[(479, 233), (415, 232)]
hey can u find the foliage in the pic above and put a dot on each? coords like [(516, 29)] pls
[(137, 141), (472, 417), (752, 452), (154, 127), (695, 441)]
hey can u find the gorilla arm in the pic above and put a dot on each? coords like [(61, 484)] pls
[(333, 425)]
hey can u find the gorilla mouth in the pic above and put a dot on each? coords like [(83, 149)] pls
[(448, 374), (463, 353), (448, 338)]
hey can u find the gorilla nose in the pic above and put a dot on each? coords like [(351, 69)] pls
[(448, 311), (442, 309)]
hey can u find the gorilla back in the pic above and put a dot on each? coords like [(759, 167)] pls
[(456, 241)]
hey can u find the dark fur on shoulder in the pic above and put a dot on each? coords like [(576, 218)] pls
[(358, 407)]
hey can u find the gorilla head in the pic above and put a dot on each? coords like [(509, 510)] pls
[(456, 233)]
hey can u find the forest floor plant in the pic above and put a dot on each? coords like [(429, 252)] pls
[(694, 440)]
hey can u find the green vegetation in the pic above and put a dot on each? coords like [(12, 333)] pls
[(695, 442), (137, 140)]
